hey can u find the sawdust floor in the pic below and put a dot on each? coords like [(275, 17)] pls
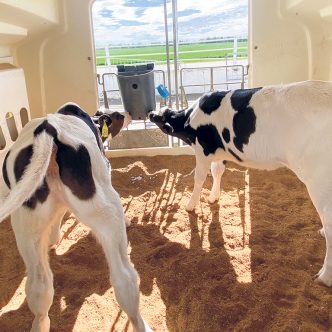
[(243, 264)]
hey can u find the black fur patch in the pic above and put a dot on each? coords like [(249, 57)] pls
[(209, 138), (47, 127), (244, 121), (74, 110), (211, 101), (4, 170), (190, 134), (40, 195), (226, 135), (179, 125), (21, 162), (74, 165), (75, 170)]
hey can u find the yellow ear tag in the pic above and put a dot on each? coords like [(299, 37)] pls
[(104, 130)]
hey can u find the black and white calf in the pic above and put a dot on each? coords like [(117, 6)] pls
[(266, 128), (58, 163)]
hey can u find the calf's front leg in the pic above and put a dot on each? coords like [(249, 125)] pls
[(217, 170), (201, 171)]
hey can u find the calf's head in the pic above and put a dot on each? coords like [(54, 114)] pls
[(110, 123), (174, 123)]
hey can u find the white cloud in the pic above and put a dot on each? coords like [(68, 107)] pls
[(115, 22)]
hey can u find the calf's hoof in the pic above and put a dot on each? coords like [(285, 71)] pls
[(54, 246), (127, 221), (322, 232), (147, 327), (143, 326), (323, 278), (40, 324), (213, 198), (190, 206), (54, 241)]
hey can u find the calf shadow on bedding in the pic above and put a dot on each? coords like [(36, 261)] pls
[(133, 176), (200, 289), (12, 269), (75, 275), (286, 253), (193, 283), (153, 180)]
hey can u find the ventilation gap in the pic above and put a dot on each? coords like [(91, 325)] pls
[(2, 140), (11, 126), (24, 116)]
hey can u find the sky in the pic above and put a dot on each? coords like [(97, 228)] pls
[(142, 21)]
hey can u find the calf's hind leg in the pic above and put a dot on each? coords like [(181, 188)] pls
[(105, 217), (325, 274), (32, 238), (323, 203), (55, 233)]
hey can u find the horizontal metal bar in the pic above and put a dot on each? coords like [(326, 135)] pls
[(214, 83)]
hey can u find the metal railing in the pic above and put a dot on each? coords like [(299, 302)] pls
[(111, 61), (214, 77), (217, 77), (107, 57), (235, 57), (226, 79)]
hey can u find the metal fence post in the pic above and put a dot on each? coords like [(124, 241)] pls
[(234, 50), (242, 83), (175, 47), (104, 92), (211, 79), (107, 56), (167, 57)]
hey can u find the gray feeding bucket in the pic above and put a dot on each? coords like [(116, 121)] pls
[(136, 84)]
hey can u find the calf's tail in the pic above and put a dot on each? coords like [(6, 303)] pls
[(32, 177)]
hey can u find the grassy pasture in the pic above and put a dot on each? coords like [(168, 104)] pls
[(187, 52)]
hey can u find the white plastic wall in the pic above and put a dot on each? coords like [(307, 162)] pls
[(290, 40), (14, 107), (59, 63)]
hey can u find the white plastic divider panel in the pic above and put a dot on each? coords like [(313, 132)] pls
[(14, 105)]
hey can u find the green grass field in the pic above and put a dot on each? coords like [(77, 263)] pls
[(187, 52)]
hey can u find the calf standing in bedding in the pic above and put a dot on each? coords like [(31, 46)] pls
[(58, 163), (265, 128)]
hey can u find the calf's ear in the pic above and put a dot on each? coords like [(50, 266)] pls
[(98, 113), (116, 124)]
